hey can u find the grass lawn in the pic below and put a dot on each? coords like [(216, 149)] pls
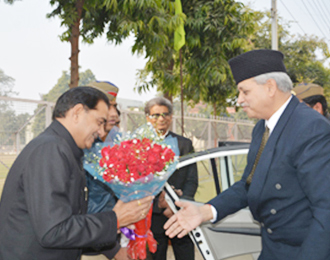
[(5, 159)]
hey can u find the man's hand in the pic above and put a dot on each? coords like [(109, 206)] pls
[(133, 211), (186, 219), (168, 212), (122, 254), (161, 201), (163, 204)]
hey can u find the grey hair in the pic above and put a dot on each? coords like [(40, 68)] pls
[(282, 80), (158, 101)]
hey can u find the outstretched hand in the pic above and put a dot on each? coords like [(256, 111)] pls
[(186, 219)]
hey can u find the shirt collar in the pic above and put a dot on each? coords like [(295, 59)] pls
[(272, 121), (164, 135)]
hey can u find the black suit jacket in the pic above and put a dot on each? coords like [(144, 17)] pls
[(44, 203), (185, 179)]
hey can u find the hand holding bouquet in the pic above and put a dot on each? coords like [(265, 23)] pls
[(137, 166)]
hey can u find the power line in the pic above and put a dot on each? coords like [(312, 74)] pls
[(324, 9), (294, 19), (321, 14), (317, 25)]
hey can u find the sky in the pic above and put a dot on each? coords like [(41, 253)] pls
[(32, 53)]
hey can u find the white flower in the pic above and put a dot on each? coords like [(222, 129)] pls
[(161, 173)]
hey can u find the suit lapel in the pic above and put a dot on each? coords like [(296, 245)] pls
[(262, 169)]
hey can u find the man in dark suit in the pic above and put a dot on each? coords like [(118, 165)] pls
[(185, 181), (44, 200), (287, 178)]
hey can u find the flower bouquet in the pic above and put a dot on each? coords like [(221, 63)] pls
[(136, 166)]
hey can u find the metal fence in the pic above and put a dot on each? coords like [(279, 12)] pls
[(23, 119)]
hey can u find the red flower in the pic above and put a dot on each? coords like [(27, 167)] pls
[(134, 159)]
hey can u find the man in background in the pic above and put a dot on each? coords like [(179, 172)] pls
[(159, 112), (101, 197), (313, 96)]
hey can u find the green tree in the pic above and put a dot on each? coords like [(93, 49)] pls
[(85, 18), (6, 84), (91, 18), (215, 32), (11, 123), (305, 56)]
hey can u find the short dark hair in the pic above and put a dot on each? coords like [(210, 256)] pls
[(312, 100), (118, 111), (87, 96), (158, 101)]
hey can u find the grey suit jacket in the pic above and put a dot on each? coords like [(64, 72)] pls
[(43, 205)]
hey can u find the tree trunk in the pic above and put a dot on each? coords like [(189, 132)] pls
[(74, 40), (214, 115)]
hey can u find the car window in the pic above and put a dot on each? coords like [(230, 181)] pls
[(229, 170)]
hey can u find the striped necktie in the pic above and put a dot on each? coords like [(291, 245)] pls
[(261, 148)]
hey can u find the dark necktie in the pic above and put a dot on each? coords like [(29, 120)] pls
[(261, 148)]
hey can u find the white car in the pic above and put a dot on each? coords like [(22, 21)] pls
[(238, 235)]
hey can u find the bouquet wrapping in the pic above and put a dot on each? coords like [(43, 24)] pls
[(135, 166)]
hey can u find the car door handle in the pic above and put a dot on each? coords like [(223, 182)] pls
[(239, 231)]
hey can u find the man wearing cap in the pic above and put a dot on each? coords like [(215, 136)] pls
[(313, 96), (101, 198), (287, 178)]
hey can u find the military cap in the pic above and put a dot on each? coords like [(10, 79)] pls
[(305, 90), (108, 88), (257, 62)]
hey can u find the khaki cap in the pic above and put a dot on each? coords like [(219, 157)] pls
[(305, 90), (108, 88)]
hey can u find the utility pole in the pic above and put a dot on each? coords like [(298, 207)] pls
[(274, 25)]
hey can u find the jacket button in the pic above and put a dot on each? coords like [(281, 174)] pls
[(273, 211), (278, 186), (262, 224), (269, 231)]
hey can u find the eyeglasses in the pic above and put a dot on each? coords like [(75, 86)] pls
[(156, 116)]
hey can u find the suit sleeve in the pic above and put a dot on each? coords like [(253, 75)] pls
[(231, 200), (54, 197), (312, 160), (235, 198)]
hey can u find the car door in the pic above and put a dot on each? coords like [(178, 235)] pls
[(238, 235)]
